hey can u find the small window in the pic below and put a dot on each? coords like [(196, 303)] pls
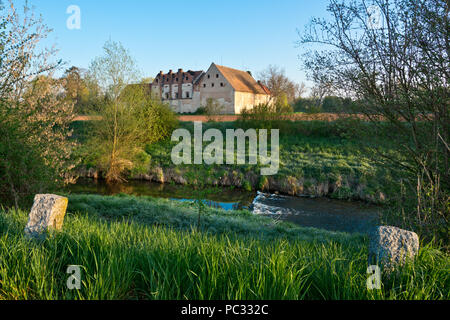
[(176, 95), (156, 80), (212, 84), (209, 76), (167, 96), (187, 94), (217, 76), (176, 79), (222, 84), (204, 85)]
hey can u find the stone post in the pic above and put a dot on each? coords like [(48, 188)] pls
[(391, 246), (47, 213)]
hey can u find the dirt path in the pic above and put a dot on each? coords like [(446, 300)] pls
[(231, 118)]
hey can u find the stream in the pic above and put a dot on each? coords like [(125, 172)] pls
[(322, 213)]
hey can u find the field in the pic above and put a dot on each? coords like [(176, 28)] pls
[(143, 248)]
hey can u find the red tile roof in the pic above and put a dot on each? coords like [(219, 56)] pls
[(242, 81)]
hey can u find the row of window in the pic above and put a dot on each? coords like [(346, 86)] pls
[(187, 95), (217, 76), (212, 85)]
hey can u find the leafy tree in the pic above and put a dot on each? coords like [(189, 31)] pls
[(81, 90), (34, 118), (129, 117)]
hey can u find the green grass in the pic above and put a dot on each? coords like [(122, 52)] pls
[(143, 248), (313, 155)]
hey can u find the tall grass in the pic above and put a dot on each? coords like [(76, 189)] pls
[(144, 254)]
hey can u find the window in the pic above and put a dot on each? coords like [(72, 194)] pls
[(187, 94), (176, 95), (222, 85), (209, 76), (176, 79), (204, 85), (217, 76), (167, 96), (212, 85)]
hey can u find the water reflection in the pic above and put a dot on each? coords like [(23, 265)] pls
[(225, 198)]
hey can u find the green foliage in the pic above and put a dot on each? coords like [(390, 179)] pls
[(129, 118), (116, 142), (35, 153), (329, 104), (265, 115), (23, 170), (132, 248)]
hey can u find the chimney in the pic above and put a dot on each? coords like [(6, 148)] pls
[(180, 70)]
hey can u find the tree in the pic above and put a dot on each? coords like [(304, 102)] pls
[(35, 152), (85, 94), (397, 68), (129, 117), (278, 83), (213, 108)]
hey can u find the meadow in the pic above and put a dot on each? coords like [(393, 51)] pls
[(317, 158), (145, 248)]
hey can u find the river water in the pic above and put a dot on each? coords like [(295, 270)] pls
[(323, 213)]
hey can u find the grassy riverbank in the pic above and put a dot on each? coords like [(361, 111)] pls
[(317, 158), (144, 248)]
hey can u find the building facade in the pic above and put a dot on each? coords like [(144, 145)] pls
[(232, 89)]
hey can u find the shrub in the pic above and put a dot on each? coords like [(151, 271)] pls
[(265, 116), (23, 171)]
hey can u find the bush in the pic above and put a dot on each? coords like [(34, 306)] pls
[(265, 116), (117, 141), (23, 171)]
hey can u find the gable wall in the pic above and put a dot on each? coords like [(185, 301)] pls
[(222, 94)]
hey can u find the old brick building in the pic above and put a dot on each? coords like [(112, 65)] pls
[(187, 91)]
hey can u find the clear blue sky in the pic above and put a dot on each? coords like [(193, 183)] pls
[(163, 35)]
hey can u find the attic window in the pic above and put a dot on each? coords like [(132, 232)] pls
[(209, 76), (204, 85), (212, 84), (217, 76), (222, 84)]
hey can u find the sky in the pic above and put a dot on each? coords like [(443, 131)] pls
[(163, 35)]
